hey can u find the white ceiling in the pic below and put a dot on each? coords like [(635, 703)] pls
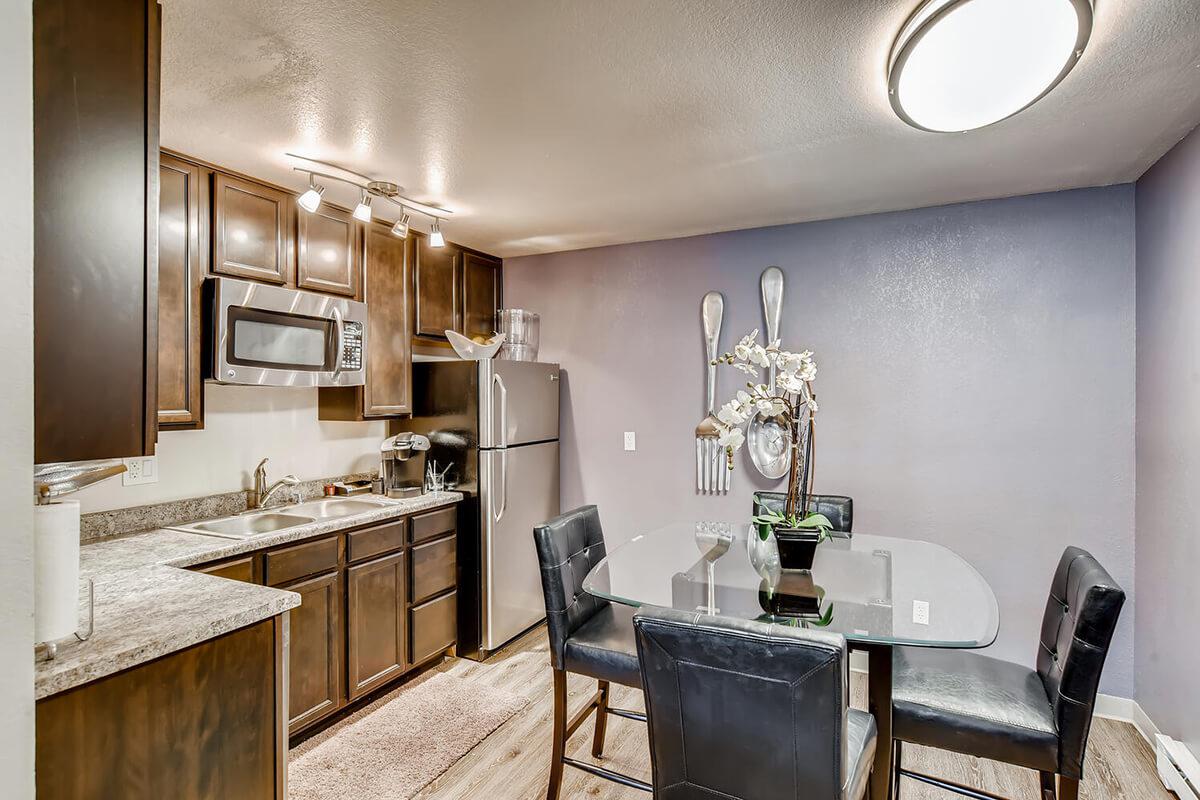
[(559, 125)]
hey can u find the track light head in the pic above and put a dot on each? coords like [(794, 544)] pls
[(310, 201), (435, 235), (400, 229), (362, 211)]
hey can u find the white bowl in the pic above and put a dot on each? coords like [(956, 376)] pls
[(474, 351)]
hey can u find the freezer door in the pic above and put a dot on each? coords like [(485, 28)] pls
[(519, 491), (518, 403)]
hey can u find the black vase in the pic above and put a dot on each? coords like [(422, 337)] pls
[(797, 547)]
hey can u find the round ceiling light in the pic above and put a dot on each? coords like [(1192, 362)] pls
[(958, 65)]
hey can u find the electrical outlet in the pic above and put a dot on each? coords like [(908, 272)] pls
[(630, 440), (140, 470), (921, 612)]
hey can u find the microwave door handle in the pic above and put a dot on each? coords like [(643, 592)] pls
[(341, 341), (498, 383)]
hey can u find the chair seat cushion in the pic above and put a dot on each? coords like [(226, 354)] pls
[(861, 736), (969, 703), (604, 647)]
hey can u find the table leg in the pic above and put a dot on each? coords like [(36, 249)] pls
[(879, 703)]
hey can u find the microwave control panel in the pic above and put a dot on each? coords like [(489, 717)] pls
[(352, 346)]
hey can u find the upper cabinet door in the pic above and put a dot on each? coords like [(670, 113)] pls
[(95, 268), (481, 294), (437, 281), (252, 230), (389, 343), (180, 280), (329, 258)]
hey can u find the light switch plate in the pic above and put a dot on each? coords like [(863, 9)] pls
[(140, 470), (630, 440), (921, 612)]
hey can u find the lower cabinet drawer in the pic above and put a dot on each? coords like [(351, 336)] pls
[(432, 627), (298, 561), (243, 569), (434, 568)]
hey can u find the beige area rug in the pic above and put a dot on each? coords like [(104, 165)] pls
[(396, 746)]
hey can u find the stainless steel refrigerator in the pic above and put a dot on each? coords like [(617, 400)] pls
[(495, 425)]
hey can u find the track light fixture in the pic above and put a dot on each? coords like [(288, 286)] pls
[(310, 201), (400, 229)]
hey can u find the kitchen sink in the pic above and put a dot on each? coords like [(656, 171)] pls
[(330, 507), (248, 525)]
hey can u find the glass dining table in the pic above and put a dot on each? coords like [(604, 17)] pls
[(877, 591)]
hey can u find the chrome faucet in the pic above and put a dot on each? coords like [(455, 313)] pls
[(262, 492)]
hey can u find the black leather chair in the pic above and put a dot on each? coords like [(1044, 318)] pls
[(838, 508), (1034, 718), (588, 636), (747, 710)]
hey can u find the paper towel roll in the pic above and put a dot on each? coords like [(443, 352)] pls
[(55, 570)]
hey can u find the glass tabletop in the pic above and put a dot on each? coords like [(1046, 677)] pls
[(873, 589)]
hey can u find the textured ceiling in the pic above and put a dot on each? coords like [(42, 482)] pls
[(559, 125)]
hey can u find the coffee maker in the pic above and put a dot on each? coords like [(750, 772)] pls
[(402, 464)]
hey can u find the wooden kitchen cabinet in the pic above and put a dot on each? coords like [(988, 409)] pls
[(481, 294), (181, 269), (95, 268), (315, 687), (206, 721), (388, 389), (433, 627), (377, 601), (375, 615), (436, 286), (253, 230), (329, 253)]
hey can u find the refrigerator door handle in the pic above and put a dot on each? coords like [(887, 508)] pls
[(503, 486), (498, 383)]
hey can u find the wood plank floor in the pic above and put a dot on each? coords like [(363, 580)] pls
[(513, 762)]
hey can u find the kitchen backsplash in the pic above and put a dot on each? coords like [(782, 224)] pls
[(103, 524)]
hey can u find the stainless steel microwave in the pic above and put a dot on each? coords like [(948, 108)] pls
[(273, 336)]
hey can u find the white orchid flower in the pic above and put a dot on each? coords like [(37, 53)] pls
[(788, 382), (747, 343), (731, 415), (732, 438)]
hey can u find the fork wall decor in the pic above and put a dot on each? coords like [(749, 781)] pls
[(712, 474)]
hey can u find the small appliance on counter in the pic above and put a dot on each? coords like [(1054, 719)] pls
[(402, 464), (521, 331)]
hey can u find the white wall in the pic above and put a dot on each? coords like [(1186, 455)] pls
[(16, 400), (1168, 441), (244, 424)]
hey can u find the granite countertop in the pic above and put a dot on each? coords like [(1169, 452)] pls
[(149, 605)]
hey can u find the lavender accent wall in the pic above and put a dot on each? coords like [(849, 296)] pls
[(1168, 441), (976, 368)]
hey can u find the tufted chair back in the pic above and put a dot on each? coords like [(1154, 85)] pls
[(568, 546), (1081, 615), (838, 508), (743, 709)]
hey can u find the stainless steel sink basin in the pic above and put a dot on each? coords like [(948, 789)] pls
[(331, 507), (250, 524)]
